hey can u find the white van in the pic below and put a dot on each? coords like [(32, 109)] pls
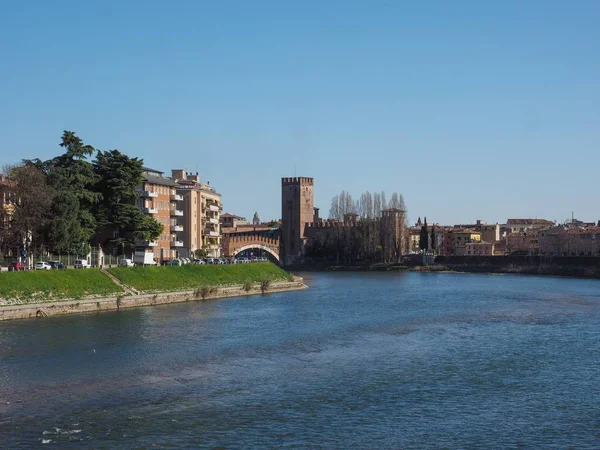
[(126, 262), (143, 258), (81, 264)]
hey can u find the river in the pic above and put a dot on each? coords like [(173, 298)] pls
[(359, 360)]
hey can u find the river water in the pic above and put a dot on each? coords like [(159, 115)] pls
[(359, 360)]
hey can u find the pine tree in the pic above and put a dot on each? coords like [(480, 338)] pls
[(118, 176), (72, 176), (433, 238)]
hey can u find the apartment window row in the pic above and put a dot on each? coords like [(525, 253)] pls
[(160, 189)]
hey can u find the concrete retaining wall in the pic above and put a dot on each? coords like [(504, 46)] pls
[(132, 301)]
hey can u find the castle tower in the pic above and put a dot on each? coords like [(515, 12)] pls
[(393, 234), (297, 209)]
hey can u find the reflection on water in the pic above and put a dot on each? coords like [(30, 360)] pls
[(359, 360)]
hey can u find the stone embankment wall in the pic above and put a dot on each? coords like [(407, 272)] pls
[(570, 266), (131, 301)]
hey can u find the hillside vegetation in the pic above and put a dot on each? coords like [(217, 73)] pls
[(174, 278)]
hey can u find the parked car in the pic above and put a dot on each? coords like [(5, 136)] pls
[(42, 265), (126, 262), (58, 265), (175, 262), (209, 261), (81, 264), (199, 261), (16, 266)]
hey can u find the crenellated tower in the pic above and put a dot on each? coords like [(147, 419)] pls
[(297, 210)]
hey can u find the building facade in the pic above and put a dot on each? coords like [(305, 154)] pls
[(156, 199), (570, 241), (480, 248), (233, 221), (202, 206), (463, 237), (523, 225)]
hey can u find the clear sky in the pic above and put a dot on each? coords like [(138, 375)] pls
[(470, 109)]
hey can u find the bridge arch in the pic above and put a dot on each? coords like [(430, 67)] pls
[(269, 250)]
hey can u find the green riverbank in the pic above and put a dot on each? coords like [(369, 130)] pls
[(191, 276), (57, 285), (54, 285)]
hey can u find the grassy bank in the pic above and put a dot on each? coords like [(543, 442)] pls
[(175, 278), (52, 285)]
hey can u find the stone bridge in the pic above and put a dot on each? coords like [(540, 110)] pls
[(235, 243)]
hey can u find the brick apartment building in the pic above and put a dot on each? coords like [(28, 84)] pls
[(158, 199)]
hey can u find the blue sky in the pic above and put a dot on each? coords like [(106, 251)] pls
[(470, 109)]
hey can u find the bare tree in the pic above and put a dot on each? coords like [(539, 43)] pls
[(341, 205), (27, 211)]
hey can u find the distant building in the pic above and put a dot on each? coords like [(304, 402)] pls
[(522, 225), (462, 237), (480, 248), (570, 241), (256, 219), (524, 243), (297, 210), (232, 221), (304, 233)]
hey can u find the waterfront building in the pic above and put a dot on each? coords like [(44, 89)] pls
[(462, 237), (157, 199), (201, 219), (305, 234), (414, 236), (479, 248), (523, 242), (211, 213), (570, 241)]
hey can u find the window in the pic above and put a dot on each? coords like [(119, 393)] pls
[(115, 234)]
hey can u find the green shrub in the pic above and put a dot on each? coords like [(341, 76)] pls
[(265, 284)]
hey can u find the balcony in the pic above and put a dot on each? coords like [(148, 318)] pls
[(147, 194), (176, 243), (146, 243), (214, 221), (175, 228), (177, 198), (150, 210), (176, 213), (213, 233), (213, 208)]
